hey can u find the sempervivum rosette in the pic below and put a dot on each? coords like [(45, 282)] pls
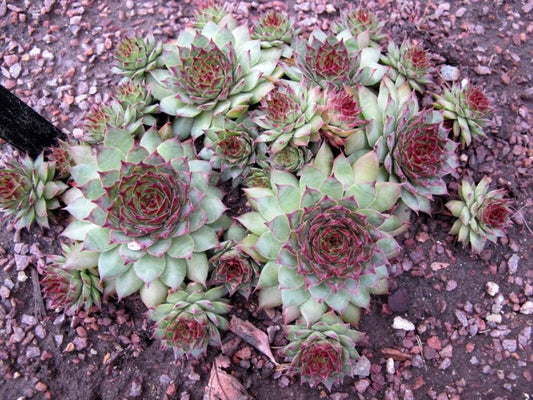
[(323, 238), (412, 144), (218, 71), (409, 62), (231, 148), (360, 20), (190, 318), (275, 29), (468, 107), (288, 114), (290, 159), (481, 214), (28, 191), (135, 56), (234, 269), (341, 112), (149, 208), (72, 282), (324, 352)]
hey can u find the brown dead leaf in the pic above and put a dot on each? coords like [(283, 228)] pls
[(252, 335), (223, 386), (395, 354)]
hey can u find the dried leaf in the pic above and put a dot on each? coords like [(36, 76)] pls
[(223, 386), (395, 354), (253, 336)]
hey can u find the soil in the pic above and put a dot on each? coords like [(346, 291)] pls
[(468, 344)]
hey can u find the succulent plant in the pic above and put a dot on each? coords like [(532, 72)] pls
[(218, 71), (290, 159), (482, 214), (411, 144), (234, 269), (258, 177), (275, 29), (72, 282), (288, 115), (323, 238), (360, 20), (410, 63), (231, 148), (149, 208), (209, 11), (61, 158), (135, 56), (468, 107), (341, 112), (28, 191), (136, 102), (323, 353), (190, 319)]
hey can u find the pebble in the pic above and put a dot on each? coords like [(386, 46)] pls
[(496, 318), (390, 366), (33, 352), (362, 367), (445, 364), (403, 324), (450, 73), (509, 345), (451, 285), (361, 385), (492, 288), (512, 264), (527, 308)]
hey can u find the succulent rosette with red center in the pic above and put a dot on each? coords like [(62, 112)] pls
[(148, 208), (190, 318), (409, 62), (359, 20), (481, 214), (234, 269), (468, 107), (322, 353), (324, 238), (341, 112), (218, 71), (275, 29), (135, 56)]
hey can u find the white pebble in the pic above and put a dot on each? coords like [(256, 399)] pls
[(402, 323), (492, 288), (527, 308)]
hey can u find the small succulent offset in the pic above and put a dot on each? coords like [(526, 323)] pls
[(323, 237), (72, 282), (135, 56), (324, 352), (482, 214), (468, 107), (190, 319), (409, 62), (149, 208), (28, 191), (275, 29), (360, 20)]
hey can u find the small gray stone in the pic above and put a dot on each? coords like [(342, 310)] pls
[(403, 324), (527, 308), (512, 264), (509, 345), (449, 73), (492, 288), (33, 352), (362, 367)]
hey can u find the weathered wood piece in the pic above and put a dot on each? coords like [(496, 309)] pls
[(24, 128)]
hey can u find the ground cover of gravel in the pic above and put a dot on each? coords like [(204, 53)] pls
[(472, 315)]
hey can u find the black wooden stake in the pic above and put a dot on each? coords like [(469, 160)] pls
[(24, 128)]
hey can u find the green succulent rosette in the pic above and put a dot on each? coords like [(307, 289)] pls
[(190, 319), (481, 214), (468, 107), (324, 239), (275, 29), (339, 60), (412, 144), (28, 191), (323, 353), (410, 63), (219, 71), (135, 56), (359, 21), (149, 208), (288, 115), (209, 11), (290, 158), (72, 282)]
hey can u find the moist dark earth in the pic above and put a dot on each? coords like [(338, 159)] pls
[(56, 56)]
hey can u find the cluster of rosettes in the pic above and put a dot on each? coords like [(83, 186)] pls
[(326, 134)]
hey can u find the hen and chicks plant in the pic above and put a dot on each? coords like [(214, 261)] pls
[(325, 136)]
